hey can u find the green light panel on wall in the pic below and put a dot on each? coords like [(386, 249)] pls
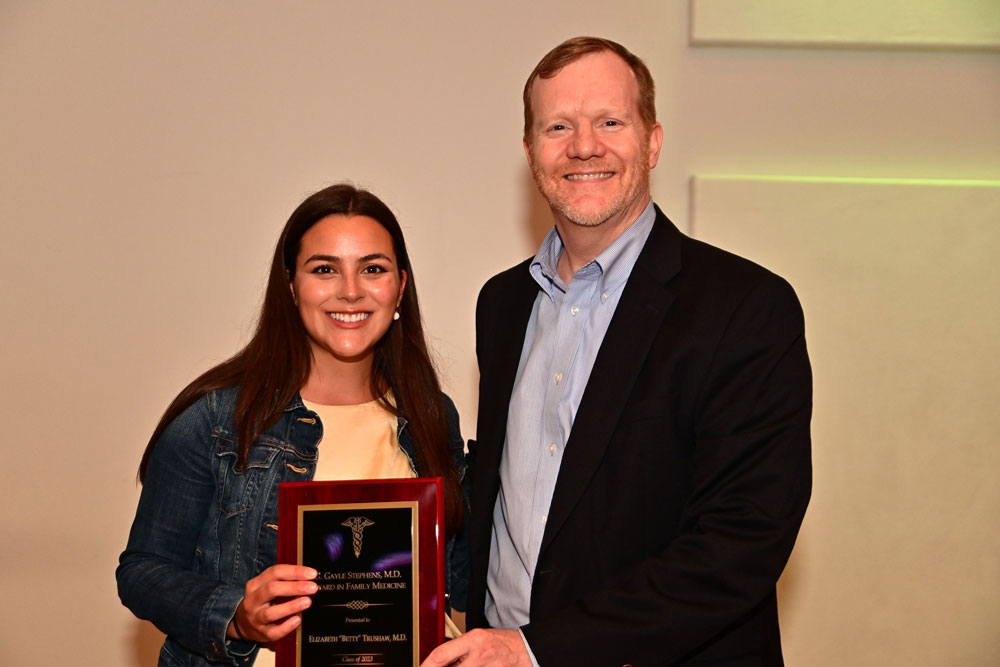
[(925, 24), (858, 180)]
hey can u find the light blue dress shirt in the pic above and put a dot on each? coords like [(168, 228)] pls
[(565, 332)]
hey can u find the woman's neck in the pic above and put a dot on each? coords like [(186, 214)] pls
[(339, 384)]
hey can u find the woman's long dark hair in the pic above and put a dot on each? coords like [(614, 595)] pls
[(275, 364)]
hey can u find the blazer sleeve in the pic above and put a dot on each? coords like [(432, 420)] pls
[(458, 545), (749, 489)]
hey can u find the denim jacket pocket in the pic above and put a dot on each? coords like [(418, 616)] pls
[(248, 496), (239, 487)]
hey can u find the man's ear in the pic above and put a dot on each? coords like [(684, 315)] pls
[(527, 152), (655, 142)]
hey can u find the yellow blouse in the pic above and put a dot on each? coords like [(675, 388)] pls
[(359, 442)]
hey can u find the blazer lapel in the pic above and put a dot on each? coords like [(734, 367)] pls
[(637, 320)]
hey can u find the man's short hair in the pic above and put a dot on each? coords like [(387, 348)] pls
[(572, 50)]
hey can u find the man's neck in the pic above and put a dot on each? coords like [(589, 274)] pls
[(581, 244)]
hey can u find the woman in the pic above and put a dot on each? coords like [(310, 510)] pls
[(336, 383)]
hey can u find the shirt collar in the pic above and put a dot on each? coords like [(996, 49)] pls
[(612, 267)]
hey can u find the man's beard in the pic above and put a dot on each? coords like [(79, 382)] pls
[(638, 181)]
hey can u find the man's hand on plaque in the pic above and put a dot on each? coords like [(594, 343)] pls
[(481, 648)]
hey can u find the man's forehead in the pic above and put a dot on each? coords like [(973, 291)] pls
[(601, 79)]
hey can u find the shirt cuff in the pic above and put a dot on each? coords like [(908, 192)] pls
[(531, 656)]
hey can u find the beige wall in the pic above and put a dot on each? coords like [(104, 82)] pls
[(150, 152)]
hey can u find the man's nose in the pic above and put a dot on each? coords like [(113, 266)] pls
[(586, 144)]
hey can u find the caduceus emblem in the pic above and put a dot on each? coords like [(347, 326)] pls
[(357, 524)]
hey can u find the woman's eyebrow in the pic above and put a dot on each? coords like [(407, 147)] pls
[(336, 260), (322, 258)]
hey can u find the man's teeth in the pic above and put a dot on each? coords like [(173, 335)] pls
[(589, 177), (350, 317)]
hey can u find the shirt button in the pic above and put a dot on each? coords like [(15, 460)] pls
[(545, 518), (558, 378), (552, 449), (604, 298), (574, 310)]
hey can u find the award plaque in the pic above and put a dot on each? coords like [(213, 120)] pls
[(378, 547)]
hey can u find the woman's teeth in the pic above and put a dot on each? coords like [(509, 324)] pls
[(350, 317)]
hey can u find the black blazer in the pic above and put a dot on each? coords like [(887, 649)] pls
[(687, 472)]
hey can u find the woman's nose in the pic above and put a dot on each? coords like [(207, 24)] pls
[(349, 288)]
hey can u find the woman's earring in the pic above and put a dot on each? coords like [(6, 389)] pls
[(395, 316)]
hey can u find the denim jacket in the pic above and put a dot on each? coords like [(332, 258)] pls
[(202, 529)]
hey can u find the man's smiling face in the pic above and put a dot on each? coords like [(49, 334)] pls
[(589, 151)]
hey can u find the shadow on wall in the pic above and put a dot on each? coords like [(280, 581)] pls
[(145, 643), (535, 223), (537, 218), (791, 590)]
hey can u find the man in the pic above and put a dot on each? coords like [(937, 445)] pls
[(643, 457)]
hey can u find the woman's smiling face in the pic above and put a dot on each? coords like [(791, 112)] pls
[(347, 286)]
